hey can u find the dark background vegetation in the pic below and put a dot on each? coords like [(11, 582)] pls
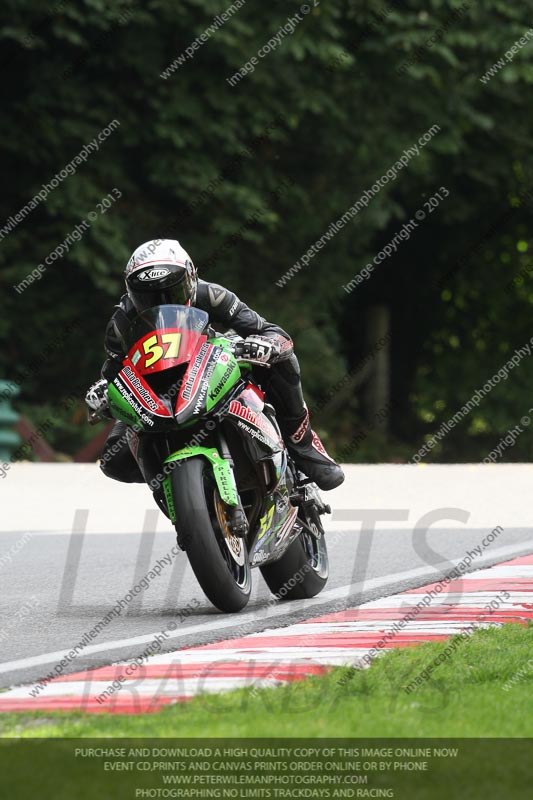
[(69, 68)]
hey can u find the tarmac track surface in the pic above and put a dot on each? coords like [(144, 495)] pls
[(57, 585)]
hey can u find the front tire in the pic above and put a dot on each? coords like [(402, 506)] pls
[(303, 569), (218, 559)]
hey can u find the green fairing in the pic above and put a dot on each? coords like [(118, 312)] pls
[(221, 469), (120, 407), (224, 378), (220, 341)]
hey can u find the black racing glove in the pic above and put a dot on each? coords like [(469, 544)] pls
[(257, 349), (97, 401)]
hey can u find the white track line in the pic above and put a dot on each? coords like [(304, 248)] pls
[(258, 615)]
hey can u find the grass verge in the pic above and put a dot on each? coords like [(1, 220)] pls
[(464, 697)]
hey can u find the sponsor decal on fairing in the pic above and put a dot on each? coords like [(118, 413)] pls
[(198, 363), (254, 433), (142, 391), (130, 399), (237, 409), (222, 382)]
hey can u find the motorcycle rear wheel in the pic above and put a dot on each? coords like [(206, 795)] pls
[(303, 569)]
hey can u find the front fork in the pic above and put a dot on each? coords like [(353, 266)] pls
[(237, 520), (222, 464)]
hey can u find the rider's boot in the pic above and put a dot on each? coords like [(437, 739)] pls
[(284, 389), (310, 456)]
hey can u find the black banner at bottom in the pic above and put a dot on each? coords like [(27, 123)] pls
[(131, 769)]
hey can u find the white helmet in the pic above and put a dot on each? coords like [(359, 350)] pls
[(160, 272)]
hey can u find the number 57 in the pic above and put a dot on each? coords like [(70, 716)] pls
[(154, 350)]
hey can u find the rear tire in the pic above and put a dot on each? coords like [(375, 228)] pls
[(303, 569), (218, 559)]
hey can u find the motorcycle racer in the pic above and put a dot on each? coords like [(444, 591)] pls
[(161, 272)]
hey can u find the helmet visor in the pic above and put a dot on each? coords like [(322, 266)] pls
[(160, 285)]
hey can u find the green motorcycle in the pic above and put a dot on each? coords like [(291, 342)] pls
[(209, 446)]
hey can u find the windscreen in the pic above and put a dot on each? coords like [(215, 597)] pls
[(163, 337)]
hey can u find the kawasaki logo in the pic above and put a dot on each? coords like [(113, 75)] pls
[(153, 274), (220, 385)]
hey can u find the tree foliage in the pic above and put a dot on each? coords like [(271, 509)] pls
[(249, 176)]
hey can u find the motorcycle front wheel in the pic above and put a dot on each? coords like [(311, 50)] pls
[(218, 559)]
